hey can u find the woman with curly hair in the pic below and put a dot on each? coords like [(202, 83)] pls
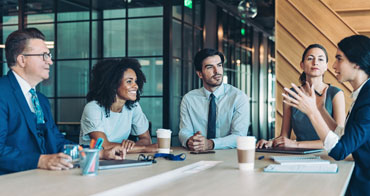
[(113, 111)]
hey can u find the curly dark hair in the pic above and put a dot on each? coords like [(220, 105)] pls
[(106, 79)]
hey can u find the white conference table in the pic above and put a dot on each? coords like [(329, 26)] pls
[(222, 179)]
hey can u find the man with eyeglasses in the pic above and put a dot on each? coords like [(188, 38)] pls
[(29, 138)]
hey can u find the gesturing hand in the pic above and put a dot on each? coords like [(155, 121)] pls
[(302, 100)]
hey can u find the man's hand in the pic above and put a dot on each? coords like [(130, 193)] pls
[(114, 152), (58, 161), (198, 142)]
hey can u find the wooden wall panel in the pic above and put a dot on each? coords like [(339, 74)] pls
[(340, 5), (359, 20), (325, 19)]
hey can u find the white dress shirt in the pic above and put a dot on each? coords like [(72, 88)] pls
[(25, 90)]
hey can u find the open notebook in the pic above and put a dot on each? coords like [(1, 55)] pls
[(112, 164), (289, 150)]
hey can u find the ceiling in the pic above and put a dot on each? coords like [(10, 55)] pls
[(265, 18)]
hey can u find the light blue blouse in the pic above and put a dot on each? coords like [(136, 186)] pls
[(117, 127)]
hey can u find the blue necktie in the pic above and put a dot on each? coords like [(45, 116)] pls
[(211, 132), (37, 107)]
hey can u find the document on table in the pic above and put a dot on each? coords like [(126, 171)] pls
[(301, 164)]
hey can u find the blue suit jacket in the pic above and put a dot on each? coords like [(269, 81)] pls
[(19, 139), (356, 140)]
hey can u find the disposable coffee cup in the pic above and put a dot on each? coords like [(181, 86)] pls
[(89, 162), (246, 146), (164, 140)]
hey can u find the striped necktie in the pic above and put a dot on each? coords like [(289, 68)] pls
[(37, 107)]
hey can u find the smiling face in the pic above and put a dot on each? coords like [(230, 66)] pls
[(314, 64), (212, 72), (35, 69), (345, 70), (128, 89)]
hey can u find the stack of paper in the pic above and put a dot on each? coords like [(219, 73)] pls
[(301, 164)]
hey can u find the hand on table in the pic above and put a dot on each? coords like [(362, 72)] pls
[(113, 153), (128, 144), (264, 144), (284, 142), (198, 142), (58, 161)]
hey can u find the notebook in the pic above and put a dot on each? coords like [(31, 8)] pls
[(299, 160), (302, 168), (289, 150), (113, 164)]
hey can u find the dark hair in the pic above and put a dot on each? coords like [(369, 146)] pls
[(17, 41), (106, 79), (203, 54), (357, 50), (302, 78)]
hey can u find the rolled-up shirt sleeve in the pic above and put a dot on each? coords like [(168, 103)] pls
[(330, 141)]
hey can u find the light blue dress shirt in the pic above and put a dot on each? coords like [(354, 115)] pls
[(232, 115)]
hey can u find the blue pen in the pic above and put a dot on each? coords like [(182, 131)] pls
[(99, 143), (261, 157)]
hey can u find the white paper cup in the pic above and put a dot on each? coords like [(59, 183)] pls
[(246, 146), (164, 140)]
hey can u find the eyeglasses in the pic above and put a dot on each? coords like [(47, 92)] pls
[(46, 56), (142, 157)]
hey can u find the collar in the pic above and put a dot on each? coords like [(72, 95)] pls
[(217, 93), (356, 92), (23, 83)]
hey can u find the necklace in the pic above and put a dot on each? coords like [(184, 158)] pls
[(317, 93)]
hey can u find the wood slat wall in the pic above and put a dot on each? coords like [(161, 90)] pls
[(300, 23), (356, 13)]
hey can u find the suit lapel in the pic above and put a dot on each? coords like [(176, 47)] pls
[(18, 94), (362, 98)]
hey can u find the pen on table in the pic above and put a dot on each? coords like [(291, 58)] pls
[(261, 157)]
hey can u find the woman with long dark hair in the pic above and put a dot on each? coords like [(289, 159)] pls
[(113, 111), (352, 65), (314, 64)]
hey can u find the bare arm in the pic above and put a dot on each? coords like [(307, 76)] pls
[(307, 104), (338, 110), (106, 144), (144, 139)]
